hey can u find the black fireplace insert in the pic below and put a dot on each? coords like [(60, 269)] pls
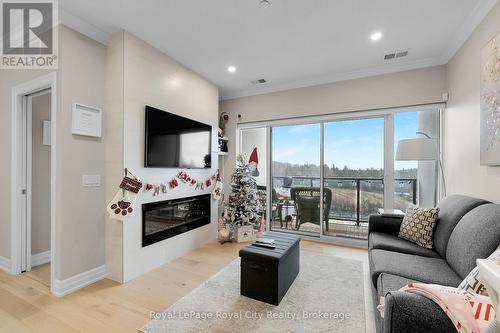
[(165, 219)]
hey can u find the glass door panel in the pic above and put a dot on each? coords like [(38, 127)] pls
[(253, 143), (295, 182), (353, 172), (415, 182)]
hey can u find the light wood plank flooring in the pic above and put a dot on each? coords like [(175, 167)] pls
[(26, 304)]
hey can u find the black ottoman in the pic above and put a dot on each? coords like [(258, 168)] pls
[(266, 274)]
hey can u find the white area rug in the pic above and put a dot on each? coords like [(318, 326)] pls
[(326, 296)]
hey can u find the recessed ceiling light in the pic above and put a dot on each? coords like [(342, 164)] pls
[(264, 4), (376, 36), (231, 69)]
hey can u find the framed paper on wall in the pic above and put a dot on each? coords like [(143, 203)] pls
[(87, 120), (490, 102)]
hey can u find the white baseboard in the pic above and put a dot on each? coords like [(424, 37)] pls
[(5, 264), (76, 282), (40, 258)]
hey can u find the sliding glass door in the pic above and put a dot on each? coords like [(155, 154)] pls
[(253, 149), (325, 178), (295, 180), (353, 172), (415, 182)]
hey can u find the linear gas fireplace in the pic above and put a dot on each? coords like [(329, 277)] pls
[(165, 219)]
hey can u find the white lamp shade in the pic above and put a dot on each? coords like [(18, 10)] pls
[(419, 149)]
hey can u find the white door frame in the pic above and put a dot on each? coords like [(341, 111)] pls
[(19, 92)]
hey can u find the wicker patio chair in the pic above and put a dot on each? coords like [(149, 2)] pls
[(306, 200)]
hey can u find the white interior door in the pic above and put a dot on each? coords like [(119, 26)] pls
[(27, 180)]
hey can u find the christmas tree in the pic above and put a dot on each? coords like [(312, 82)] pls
[(242, 208)]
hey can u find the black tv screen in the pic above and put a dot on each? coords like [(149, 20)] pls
[(173, 141)]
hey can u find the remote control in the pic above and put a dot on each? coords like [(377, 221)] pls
[(268, 246)]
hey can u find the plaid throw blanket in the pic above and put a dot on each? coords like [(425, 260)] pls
[(469, 312)]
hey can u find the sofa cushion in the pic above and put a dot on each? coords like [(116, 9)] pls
[(378, 240), (451, 210), (423, 269), (418, 225), (476, 236)]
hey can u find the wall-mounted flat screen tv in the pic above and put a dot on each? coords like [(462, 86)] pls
[(173, 141)]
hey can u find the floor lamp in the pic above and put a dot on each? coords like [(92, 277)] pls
[(421, 149)]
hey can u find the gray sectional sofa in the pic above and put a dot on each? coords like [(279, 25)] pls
[(467, 229)]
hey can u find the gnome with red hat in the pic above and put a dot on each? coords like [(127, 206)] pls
[(253, 163)]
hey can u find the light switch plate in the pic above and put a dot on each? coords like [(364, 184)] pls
[(91, 180)]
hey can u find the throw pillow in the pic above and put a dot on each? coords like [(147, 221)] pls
[(473, 282), (418, 225)]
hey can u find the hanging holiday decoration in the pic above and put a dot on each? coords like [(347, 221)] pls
[(173, 183), (122, 204), (253, 163), (185, 178), (217, 190), (223, 119)]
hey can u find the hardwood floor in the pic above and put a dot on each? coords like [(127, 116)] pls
[(26, 304), (41, 274)]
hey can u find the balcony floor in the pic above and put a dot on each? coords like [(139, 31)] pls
[(335, 228)]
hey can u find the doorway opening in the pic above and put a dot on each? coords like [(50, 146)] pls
[(34, 175), (36, 251)]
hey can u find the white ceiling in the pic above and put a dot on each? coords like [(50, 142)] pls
[(293, 43)]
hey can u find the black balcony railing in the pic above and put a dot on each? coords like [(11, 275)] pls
[(353, 199)]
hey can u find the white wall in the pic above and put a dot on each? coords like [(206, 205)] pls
[(152, 78), (464, 174), (413, 87), (80, 211)]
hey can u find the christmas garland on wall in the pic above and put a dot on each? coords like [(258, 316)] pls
[(122, 204), (185, 178)]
